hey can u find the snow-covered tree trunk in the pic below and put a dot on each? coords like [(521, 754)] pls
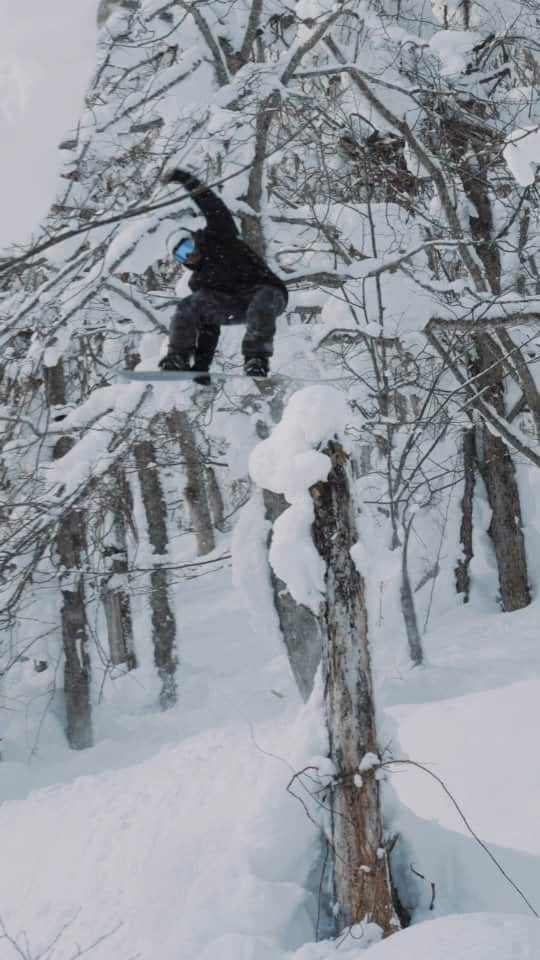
[(70, 546), (215, 499), (361, 879), (499, 476), (408, 609), (55, 386), (164, 636), (115, 586), (195, 490), (472, 154), (463, 580), (71, 550), (300, 628), (163, 620)]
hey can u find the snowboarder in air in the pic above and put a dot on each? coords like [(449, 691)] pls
[(230, 283)]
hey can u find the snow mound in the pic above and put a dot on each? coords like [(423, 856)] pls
[(473, 936), (453, 47), (522, 154)]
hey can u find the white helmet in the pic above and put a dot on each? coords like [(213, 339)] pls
[(186, 227), (174, 239)]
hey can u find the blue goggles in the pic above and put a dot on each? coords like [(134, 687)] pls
[(184, 250)]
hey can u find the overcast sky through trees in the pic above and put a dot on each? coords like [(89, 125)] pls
[(47, 53)]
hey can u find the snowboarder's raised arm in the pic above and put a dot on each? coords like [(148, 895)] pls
[(218, 216)]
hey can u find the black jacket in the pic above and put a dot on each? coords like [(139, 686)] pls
[(228, 264)]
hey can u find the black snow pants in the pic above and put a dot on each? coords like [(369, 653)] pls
[(197, 321)]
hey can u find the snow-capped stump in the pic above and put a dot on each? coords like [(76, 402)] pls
[(306, 459), (361, 878)]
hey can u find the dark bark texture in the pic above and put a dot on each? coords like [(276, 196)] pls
[(215, 499), (408, 609), (473, 148), (115, 586), (499, 477), (195, 490), (164, 634), (463, 582), (70, 545), (163, 621), (361, 880), (71, 549)]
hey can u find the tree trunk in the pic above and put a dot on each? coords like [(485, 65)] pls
[(362, 886), (163, 621), (115, 588), (408, 609), (55, 384), (299, 626), (252, 227), (195, 490), (70, 547), (164, 635), (70, 544), (494, 458), (215, 500), (463, 582), (505, 529)]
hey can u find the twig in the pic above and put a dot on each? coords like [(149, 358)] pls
[(485, 848), (320, 896)]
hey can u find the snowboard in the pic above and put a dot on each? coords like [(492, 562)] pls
[(199, 376), (211, 377)]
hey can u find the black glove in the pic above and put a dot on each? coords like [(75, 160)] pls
[(174, 361), (182, 176)]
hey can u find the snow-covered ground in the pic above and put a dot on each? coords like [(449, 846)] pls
[(470, 718), (47, 55), (176, 831)]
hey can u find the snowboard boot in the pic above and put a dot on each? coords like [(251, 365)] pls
[(256, 366), (175, 361), (202, 363)]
